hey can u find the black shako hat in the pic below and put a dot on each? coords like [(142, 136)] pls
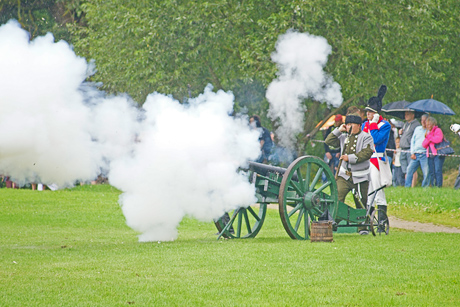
[(353, 118), (375, 103)]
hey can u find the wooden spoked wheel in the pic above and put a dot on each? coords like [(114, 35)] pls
[(379, 227), (242, 223), (304, 196)]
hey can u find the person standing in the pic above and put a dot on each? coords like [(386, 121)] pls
[(357, 147), (406, 135), (380, 132), (332, 154), (391, 145), (418, 155), (265, 139), (398, 176), (434, 136), (455, 128)]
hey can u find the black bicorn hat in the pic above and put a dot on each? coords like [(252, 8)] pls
[(353, 118), (375, 103)]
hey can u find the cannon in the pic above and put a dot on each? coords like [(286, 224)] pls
[(302, 197)]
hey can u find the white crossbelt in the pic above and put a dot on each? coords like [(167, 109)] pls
[(356, 173), (377, 155)]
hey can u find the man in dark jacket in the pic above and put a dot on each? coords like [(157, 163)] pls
[(332, 154), (265, 138)]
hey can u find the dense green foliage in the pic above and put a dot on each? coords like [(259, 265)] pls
[(39, 17), (72, 248), (178, 47), (142, 46)]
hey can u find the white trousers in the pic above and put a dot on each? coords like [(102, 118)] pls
[(374, 184)]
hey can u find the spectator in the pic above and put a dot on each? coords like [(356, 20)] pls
[(363, 114), (434, 136), (406, 136), (398, 176), (391, 145), (455, 128), (418, 156), (10, 184), (395, 126), (332, 154), (279, 155), (265, 139)]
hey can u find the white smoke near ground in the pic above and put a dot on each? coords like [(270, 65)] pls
[(169, 159), (301, 58), (185, 164)]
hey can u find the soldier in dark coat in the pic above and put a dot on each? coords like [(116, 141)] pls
[(331, 154)]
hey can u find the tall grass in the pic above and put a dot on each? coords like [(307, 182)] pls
[(72, 248)]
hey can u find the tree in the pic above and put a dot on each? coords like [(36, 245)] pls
[(163, 46), (39, 17), (143, 46)]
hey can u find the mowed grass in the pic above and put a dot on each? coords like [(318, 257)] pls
[(439, 206), (73, 248)]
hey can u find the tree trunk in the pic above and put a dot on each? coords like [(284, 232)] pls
[(304, 141), (309, 123)]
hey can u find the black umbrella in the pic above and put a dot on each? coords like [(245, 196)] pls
[(431, 106), (398, 108)]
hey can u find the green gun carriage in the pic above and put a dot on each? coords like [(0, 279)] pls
[(302, 196)]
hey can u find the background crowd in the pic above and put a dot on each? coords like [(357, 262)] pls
[(413, 144)]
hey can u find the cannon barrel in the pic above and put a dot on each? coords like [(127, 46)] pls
[(264, 169)]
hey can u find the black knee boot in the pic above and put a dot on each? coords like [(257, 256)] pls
[(382, 215)]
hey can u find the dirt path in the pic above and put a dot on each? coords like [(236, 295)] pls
[(413, 226), (420, 227)]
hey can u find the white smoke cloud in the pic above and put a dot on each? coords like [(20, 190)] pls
[(51, 130), (169, 159), (301, 58), (42, 118), (185, 164), (114, 126)]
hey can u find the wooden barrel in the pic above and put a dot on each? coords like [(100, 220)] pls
[(321, 231)]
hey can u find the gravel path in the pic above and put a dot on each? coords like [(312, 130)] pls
[(420, 227), (414, 226)]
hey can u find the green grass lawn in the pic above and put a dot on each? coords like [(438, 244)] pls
[(72, 248), (430, 205)]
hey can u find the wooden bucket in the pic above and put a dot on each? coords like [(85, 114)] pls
[(321, 231)]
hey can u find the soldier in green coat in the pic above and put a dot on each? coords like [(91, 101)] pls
[(357, 148)]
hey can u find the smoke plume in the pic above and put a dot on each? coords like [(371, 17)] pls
[(53, 131), (169, 159), (185, 164), (301, 58)]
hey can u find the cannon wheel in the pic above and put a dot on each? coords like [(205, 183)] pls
[(244, 222), (301, 199), (379, 228)]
